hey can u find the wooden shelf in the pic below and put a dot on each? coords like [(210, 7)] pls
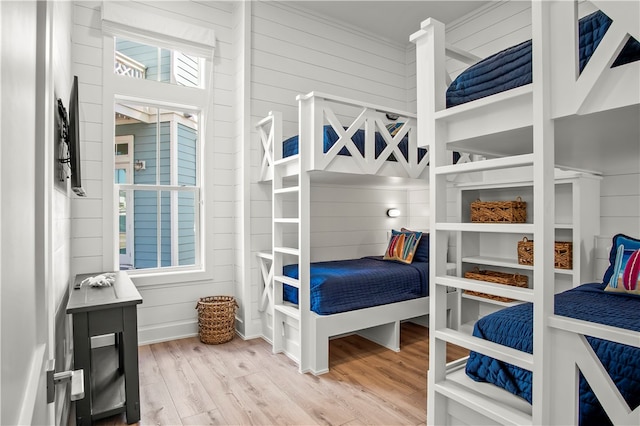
[(494, 245), (506, 263), (490, 301), (497, 228), (107, 383)]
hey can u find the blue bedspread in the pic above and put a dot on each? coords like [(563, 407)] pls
[(347, 285), (514, 327), (330, 137), (511, 67)]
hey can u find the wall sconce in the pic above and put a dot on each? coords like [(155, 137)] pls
[(140, 165), (393, 212)]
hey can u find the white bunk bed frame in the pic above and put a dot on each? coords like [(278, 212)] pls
[(297, 331), (483, 126)]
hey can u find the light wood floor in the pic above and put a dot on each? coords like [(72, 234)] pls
[(185, 382)]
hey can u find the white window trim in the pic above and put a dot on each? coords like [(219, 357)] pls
[(127, 162), (124, 88), (129, 19)]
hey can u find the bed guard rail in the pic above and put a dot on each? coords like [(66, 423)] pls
[(394, 127), (269, 130), (569, 339)]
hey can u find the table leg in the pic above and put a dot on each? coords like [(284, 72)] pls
[(82, 360), (129, 354)]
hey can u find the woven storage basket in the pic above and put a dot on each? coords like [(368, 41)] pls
[(217, 319), (563, 253), (495, 277), (499, 211)]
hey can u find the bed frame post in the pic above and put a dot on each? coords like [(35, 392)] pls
[(310, 110), (310, 122), (543, 210), (431, 86), (430, 66), (564, 26), (563, 408)]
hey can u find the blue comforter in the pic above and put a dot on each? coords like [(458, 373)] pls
[(514, 327), (330, 137), (511, 67), (347, 285)]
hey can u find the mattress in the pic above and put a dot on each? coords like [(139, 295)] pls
[(513, 327), (330, 137), (512, 68), (347, 285)]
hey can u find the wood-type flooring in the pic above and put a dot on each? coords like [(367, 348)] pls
[(185, 382)]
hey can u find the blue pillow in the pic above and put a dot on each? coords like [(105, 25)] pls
[(422, 252), (629, 243)]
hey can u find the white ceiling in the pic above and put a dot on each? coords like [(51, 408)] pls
[(394, 20)]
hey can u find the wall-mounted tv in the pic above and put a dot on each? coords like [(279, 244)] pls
[(74, 141)]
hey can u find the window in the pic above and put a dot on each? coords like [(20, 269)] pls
[(139, 60), (157, 110), (156, 176)]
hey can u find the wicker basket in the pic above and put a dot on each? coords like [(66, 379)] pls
[(499, 211), (563, 253), (495, 277), (217, 319)]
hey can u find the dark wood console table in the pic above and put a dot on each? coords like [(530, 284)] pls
[(111, 382)]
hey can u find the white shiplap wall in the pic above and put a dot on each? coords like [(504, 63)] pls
[(168, 309), (296, 52)]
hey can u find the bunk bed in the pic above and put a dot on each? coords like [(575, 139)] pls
[(379, 143), (531, 123), (512, 327), (347, 285)]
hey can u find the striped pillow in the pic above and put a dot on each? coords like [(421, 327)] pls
[(422, 252), (626, 272), (402, 246), (393, 128)]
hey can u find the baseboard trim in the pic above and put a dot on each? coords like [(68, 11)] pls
[(165, 332)]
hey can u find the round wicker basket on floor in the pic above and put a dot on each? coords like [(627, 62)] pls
[(216, 319)]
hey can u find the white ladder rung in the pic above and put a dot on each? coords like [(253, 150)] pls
[(290, 311), (492, 164), (287, 280), (287, 250), (494, 409), (486, 347), (509, 291), (287, 190), (287, 160), (286, 220)]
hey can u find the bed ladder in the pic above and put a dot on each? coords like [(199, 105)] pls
[(290, 213), (430, 44)]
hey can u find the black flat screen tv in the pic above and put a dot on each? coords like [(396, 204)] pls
[(74, 141)]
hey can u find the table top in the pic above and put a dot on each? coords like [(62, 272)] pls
[(87, 298)]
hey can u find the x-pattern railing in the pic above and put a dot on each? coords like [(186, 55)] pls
[(370, 120), (269, 130)]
